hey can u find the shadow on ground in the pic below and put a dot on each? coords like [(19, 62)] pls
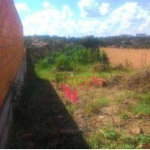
[(41, 119)]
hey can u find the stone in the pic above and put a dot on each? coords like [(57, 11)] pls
[(136, 130), (145, 146), (138, 116), (101, 117), (125, 102)]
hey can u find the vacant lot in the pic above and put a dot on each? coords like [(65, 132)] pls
[(116, 115)]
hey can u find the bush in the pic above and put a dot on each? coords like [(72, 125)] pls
[(43, 63), (97, 67), (63, 63), (103, 57)]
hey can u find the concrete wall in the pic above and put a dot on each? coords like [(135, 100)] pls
[(12, 62), (135, 58)]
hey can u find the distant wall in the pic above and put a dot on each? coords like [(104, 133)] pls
[(135, 58), (11, 46)]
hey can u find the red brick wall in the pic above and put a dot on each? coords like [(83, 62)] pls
[(11, 45), (136, 58)]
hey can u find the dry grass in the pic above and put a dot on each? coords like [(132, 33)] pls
[(140, 80), (134, 58)]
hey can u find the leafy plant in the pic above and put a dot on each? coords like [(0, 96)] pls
[(111, 134), (43, 63), (63, 63)]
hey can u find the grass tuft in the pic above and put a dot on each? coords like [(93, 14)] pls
[(142, 106), (111, 135), (96, 140), (96, 105), (71, 108)]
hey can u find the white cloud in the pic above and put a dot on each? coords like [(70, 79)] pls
[(46, 4), (144, 27), (93, 8), (66, 12), (22, 7), (104, 8), (88, 8), (129, 18), (50, 21)]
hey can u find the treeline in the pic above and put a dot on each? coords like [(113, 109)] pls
[(55, 42)]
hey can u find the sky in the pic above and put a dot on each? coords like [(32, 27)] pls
[(78, 18)]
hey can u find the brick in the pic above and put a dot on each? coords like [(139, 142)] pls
[(11, 45), (3, 85)]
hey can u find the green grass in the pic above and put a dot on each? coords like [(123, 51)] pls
[(47, 71), (126, 146), (127, 142), (124, 116), (143, 104), (111, 139), (43, 72), (96, 140), (96, 105), (71, 108), (141, 108), (111, 135)]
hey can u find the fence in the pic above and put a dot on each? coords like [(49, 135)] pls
[(134, 58), (11, 46)]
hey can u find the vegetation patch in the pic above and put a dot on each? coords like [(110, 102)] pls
[(95, 105)]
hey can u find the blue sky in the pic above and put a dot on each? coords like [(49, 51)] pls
[(84, 17)]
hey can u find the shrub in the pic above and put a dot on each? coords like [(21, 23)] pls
[(63, 63), (43, 63), (97, 67), (103, 57)]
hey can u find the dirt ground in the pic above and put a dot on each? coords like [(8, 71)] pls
[(108, 115)]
